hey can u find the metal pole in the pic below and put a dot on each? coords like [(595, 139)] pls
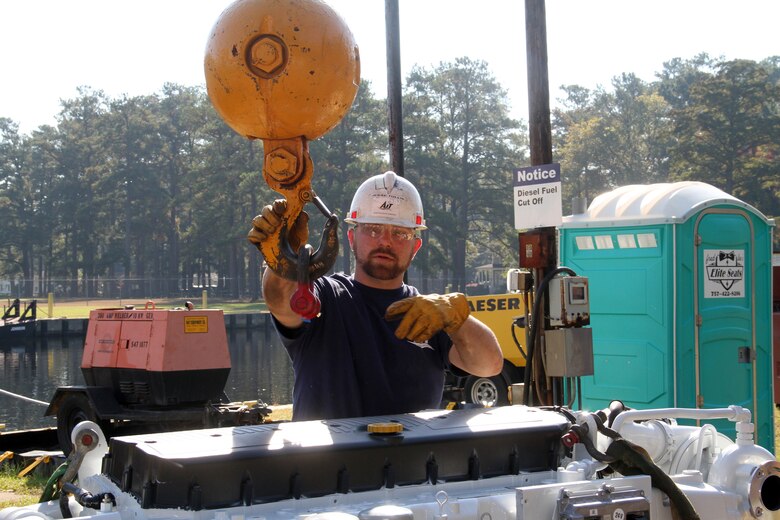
[(539, 127), (394, 112), (540, 140), (394, 120)]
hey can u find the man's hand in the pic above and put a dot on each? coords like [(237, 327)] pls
[(424, 316), (267, 223)]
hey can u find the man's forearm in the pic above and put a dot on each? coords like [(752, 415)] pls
[(475, 349), (277, 292)]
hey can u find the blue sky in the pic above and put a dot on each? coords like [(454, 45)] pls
[(50, 47)]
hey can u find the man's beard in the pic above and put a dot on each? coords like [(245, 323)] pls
[(379, 269)]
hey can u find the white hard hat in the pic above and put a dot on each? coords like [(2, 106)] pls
[(387, 199)]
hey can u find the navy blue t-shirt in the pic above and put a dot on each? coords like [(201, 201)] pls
[(348, 362)]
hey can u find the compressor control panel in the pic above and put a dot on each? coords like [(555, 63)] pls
[(569, 301)]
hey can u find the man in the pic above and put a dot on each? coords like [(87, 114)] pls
[(377, 347)]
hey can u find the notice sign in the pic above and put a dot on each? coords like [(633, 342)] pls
[(537, 196), (724, 273)]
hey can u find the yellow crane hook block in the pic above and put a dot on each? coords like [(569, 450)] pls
[(281, 69), (286, 72)]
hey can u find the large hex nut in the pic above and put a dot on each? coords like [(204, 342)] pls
[(281, 165), (266, 56)]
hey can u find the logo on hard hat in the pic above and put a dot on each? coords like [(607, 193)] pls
[(386, 205)]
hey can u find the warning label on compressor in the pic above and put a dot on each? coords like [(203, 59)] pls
[(724, 273), (196, 324)]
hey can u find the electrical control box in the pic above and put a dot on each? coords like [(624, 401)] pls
[(536, 249), (569, 352), (569, 301), (518, 280)]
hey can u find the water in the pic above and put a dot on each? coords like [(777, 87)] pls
[(260, 370)]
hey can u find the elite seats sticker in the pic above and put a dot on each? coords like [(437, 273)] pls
[(724, 273)]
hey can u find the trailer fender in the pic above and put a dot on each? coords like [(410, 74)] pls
[(74, 404), (100, 399)]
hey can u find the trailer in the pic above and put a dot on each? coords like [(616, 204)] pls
[(152, 370)]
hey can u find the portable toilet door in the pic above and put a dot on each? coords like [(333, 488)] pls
[(729, 323)]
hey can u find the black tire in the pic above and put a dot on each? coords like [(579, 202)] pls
[(73, 409), (487, 391)]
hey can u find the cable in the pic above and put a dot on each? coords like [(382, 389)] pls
[(517, 341), (23, 398), (542, 287)]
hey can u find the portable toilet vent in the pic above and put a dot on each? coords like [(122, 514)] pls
[(681, 310)]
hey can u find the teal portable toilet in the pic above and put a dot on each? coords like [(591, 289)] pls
[(680, 289)]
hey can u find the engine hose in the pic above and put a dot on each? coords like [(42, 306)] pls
[(615, 408), (51, 489), (604, 430), (531, 347), (561, 410), (581, 431), (83, 498), (630, 459), (65, 506)]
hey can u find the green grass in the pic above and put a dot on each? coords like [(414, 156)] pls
[(81, 308), (19, 491)]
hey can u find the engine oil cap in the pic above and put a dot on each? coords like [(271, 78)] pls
[(385, 428)]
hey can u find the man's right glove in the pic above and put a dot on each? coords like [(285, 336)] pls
[(425, 315), (267, 223)]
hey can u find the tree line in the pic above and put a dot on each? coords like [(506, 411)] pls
[(153, 195)]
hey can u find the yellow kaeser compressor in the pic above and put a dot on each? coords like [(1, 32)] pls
[(286, 72)]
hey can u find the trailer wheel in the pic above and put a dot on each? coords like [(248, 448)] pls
[(487, 391), (74, 409)]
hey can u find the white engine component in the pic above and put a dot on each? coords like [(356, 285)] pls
[(722, 480)]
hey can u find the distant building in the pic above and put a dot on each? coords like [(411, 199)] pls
[(488, 279)]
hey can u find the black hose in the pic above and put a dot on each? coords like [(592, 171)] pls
[(83, 498), (514, 337), (615, 408), (581, 431), (563, 411), (540, 290), (64, 506)]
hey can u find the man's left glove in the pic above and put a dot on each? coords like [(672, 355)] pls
[(425, 315)]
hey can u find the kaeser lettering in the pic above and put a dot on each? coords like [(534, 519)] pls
[(494, 304)]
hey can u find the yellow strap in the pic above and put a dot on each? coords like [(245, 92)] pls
[(38, 460)]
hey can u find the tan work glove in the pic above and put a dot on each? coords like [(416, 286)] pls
[(424, 316), (267, 223)]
